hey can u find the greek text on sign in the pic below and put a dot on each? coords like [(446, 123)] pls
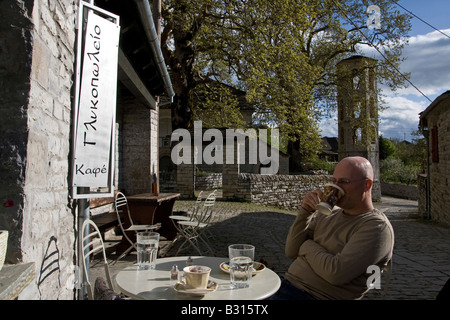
[(97, 103)]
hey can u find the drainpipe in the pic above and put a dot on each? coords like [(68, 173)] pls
[(423, 127), (146, 16)]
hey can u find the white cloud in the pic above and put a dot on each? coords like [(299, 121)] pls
[(401, 117), (329, 127), (427, 61)]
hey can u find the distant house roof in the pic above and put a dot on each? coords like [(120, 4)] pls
[(330, 145)]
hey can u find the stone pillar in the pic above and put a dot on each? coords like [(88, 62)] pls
[(185, 174), (230, 172), (137, 146), (185, 180), (358, 113)]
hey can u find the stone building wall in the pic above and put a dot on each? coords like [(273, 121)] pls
[(37, 61), (438, 120), (136, 148), (36, 65)]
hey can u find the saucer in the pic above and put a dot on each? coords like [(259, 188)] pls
[(181, 288), (257, 267)]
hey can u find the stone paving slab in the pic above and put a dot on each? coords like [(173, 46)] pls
[(421, 263)]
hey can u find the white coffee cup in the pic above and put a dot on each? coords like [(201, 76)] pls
[(197, 277)]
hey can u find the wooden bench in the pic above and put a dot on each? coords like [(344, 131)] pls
[(106, 220)]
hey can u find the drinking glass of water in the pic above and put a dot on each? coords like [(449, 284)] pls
[(241, 264), (147, 249)]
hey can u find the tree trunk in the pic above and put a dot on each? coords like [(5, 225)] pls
[(181, 113), (293, 150)]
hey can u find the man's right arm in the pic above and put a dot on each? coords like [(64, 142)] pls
[(301, 229), (299, 232)]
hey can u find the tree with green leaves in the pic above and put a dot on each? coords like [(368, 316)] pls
[(283, 54), (386, 148)]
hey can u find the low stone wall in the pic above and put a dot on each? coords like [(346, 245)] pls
[(208, 181), (284, 191), (287, 191), (400, 190), (422, 195)]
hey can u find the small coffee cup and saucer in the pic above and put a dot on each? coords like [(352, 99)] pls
[(196, 281)]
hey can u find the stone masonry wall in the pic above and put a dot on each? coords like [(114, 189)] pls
[(42, 41), (400, 190), (15, 45), (285, 191), (208, 181), (439, 118), (136, 148), (48, 215)]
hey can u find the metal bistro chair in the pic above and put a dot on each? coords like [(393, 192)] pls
[(192, 230), (186, 216), (121, 204), (92, 245)]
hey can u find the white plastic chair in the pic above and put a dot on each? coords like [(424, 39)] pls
[(92, 245), (121, 204)]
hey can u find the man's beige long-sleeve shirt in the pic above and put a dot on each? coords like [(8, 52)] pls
[(332, 252)]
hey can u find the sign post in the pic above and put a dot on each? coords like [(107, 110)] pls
[(94, 114)]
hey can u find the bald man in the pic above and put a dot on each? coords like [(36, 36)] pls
[(332, 252)]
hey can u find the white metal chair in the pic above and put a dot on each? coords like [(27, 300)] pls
[(192, 229), (186, 215), (121, 204), (90, 246), (199, 199)]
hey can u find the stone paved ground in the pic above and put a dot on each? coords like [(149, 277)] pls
[(421, 254)]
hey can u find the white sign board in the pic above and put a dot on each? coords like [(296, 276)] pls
[(95, 117)]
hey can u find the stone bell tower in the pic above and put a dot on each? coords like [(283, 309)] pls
[(358, 113)]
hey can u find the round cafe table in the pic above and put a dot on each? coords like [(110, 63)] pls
[(154, 284)]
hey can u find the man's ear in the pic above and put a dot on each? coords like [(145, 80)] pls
[(368, 185)]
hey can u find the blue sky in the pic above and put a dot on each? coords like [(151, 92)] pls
[(428, 61)]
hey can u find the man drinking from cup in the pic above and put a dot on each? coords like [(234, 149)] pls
[(332, 252)]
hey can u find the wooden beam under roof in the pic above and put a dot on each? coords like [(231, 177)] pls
[(131, 80)]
